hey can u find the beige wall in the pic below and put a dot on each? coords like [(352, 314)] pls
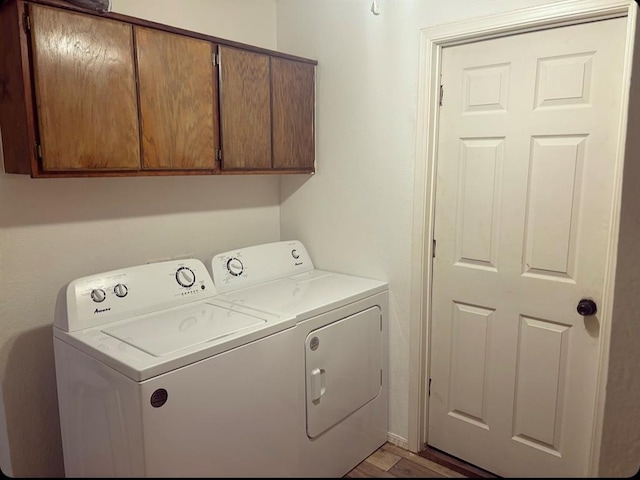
[(620, 449), (354, 215), (55, 230)]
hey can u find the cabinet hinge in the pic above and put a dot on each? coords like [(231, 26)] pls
[(429, 388), (441, 94), (433, 250), (38, 150), (26, 23)]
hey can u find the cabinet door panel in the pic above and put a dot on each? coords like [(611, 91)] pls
[(293, 102), (245, 111), (85, 91), (177, 98)]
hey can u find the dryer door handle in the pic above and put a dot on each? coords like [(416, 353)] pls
[(318, 384)]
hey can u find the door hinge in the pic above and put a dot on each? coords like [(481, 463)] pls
[(433, 252), (441, 94), (38, 150), (429, 392), (26, 23)]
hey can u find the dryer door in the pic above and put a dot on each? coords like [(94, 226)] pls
[(343, 369)]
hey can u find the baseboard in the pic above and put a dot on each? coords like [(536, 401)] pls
[(398, 441)]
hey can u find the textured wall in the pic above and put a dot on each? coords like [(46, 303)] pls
[(55, 230), (355, 214)]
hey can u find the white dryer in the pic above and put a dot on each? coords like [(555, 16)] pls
[(341, 352), (155, 377)]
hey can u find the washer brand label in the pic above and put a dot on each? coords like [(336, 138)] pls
[(100, 310)]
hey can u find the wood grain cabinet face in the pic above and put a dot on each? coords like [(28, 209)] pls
[(84, 80), (178, 92), (293, 106), (267, 111), (245, 110)]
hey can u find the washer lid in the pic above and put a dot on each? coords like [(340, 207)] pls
[(164, 333)]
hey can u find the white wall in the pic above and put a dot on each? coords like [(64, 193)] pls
[(354, 215), (55, 230)]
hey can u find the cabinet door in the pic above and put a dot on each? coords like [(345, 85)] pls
[(245, 111), (177, 98), (292, 103), (85, 91)]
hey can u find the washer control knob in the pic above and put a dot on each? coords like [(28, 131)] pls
[(120, 290), (185, 277), (235, 267), (295, 254), (98, 295)]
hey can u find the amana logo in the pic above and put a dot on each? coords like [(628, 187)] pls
[(100, 310)]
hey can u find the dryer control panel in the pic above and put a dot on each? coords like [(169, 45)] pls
[(110, 296), (257, 264)]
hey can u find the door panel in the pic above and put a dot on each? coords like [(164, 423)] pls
[(245, 109), (343, 366), (178, 93), (292, 100), (85, 91), (524, 189)]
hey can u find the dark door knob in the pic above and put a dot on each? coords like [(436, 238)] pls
[(587, 307)]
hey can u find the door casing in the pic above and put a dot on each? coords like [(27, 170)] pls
[(432, 41)]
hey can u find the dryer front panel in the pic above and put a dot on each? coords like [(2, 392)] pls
[(343, 369)]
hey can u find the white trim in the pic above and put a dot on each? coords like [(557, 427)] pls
[(610, 273), (432, 40)]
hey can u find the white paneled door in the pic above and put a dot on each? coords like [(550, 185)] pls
[(524, 192)]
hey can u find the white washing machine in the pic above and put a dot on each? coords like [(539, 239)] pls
[(341, 353), (155, 377)]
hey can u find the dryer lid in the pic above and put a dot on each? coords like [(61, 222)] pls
[(167, 332)]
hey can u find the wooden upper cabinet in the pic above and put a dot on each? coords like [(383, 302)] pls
[(245, 109), (267, 112), (84, 94), (84, 79), (178, 93), (293, 113)]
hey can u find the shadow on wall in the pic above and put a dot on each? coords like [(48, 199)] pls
[(291, 183), (35, 201), (31, 408)]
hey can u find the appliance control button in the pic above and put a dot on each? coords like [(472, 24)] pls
[(98, 295), (235, 266), (295, 254), (120, 290), (185, 277)]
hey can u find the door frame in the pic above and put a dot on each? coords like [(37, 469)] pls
[(432, 41)]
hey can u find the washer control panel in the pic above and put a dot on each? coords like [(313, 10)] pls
[(110, 296), (260, 263)]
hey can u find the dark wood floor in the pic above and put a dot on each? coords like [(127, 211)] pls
[(391, 461)]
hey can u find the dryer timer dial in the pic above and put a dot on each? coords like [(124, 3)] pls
[(185, 277), (235, 267)]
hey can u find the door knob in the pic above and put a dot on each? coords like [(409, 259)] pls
[(587, 307)]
